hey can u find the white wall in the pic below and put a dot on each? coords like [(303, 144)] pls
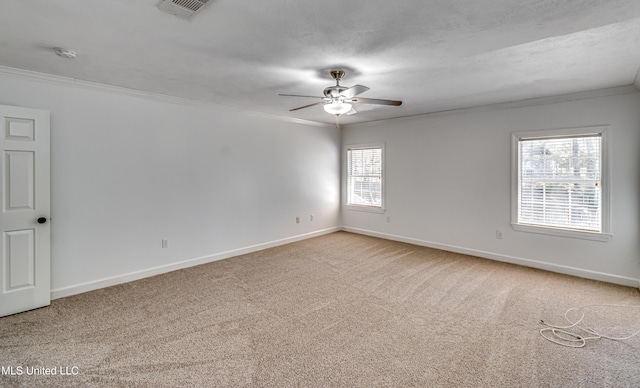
[(128, 171), (448, 185)]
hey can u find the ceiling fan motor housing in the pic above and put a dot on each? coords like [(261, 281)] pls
[(334, 91)]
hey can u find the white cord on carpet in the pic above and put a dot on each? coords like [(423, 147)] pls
[(559, 335)]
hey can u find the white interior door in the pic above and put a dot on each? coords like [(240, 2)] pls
[(25, 280)]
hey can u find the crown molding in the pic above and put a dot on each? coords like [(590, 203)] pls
[(74, 82), (96, 86), (626, 89)]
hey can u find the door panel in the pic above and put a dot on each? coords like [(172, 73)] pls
[(25, 281), (20, 259), (19, 185)]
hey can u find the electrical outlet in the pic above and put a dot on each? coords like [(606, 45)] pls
[(165, 243), (312, 217), (388, 218), (499, 234), (297, 220)]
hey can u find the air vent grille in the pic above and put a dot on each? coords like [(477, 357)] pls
[(182, 8)]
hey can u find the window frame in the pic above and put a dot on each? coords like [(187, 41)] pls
[(365, 208), (603, 131)]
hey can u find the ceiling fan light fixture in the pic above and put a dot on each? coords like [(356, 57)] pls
[(337, 108)]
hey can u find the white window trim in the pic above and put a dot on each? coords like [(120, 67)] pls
[(364, 208), (606, 232)]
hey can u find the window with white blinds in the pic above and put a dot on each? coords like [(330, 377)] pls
[(560, 182), (364, 176)]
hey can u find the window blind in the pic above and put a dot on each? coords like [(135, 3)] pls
[(364, 181), (560, 182)]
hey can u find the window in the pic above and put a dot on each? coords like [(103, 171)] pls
[(560, 183), (364, 177)]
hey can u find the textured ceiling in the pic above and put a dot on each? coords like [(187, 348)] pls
[(433, 55)]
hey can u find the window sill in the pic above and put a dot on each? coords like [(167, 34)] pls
[(594, 236), (370, 209)]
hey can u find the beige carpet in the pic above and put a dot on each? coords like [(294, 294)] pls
[(341, 310)]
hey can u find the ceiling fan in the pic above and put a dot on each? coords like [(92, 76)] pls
[(337, 99)]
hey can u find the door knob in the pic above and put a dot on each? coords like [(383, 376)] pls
[(42, 220)]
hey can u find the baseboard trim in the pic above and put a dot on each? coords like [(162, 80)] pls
[(563, 269), (131, 276)]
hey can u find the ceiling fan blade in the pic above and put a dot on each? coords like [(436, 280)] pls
[(297, 95), (354, 91), (351, 112), (306, 106), (360, 100)]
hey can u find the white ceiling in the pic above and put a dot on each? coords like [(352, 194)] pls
[(433, 55)]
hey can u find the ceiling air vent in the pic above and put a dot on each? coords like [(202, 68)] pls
[(182, 8)]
